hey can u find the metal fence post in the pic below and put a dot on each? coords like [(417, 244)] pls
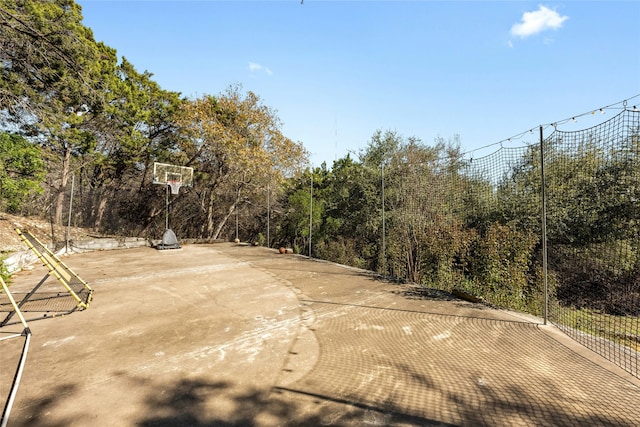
[(73, 180), (384, 237), (310, 212), (544, 229)]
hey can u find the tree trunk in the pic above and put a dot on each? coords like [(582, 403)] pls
[(64, 179), (210, 215), (224, 220), (102, 204)]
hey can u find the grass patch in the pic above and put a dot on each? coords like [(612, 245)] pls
[(624, 330)]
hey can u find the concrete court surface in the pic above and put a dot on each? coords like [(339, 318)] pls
[(230, 335)]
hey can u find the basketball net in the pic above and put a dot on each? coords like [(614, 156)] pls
[(175, 186)]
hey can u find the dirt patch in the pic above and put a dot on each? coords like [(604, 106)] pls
[(42, 229)]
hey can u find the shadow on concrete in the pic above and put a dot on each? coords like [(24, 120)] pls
[(364, 413), (420, 293), (486, 320), (197, 402), (186, 403), (39, 412)]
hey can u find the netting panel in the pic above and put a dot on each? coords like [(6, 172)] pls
[(77, 289), (594, 236)]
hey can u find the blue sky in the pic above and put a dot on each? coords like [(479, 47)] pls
[(337, 71)]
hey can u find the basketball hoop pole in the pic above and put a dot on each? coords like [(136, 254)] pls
[(175, 188), (166, 215)]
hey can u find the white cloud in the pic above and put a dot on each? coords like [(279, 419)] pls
[(537, 21), (253, 67)]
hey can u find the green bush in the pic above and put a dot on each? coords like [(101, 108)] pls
[(499, 267), (341, 251)]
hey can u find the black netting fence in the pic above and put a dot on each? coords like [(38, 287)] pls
[(476, 226), (594, 236)]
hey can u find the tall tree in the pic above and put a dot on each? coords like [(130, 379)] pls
[(235, 144)]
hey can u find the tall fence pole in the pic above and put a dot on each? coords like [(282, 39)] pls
[(73, 180), (237, 198), (384, 237), (544, 229), (310, 212)]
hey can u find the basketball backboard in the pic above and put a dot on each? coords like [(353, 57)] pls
[(173, 176)]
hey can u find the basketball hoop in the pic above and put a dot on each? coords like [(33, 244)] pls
[(173, 176), (175, 185)]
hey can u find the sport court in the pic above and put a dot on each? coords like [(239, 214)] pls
[(231, 335)]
